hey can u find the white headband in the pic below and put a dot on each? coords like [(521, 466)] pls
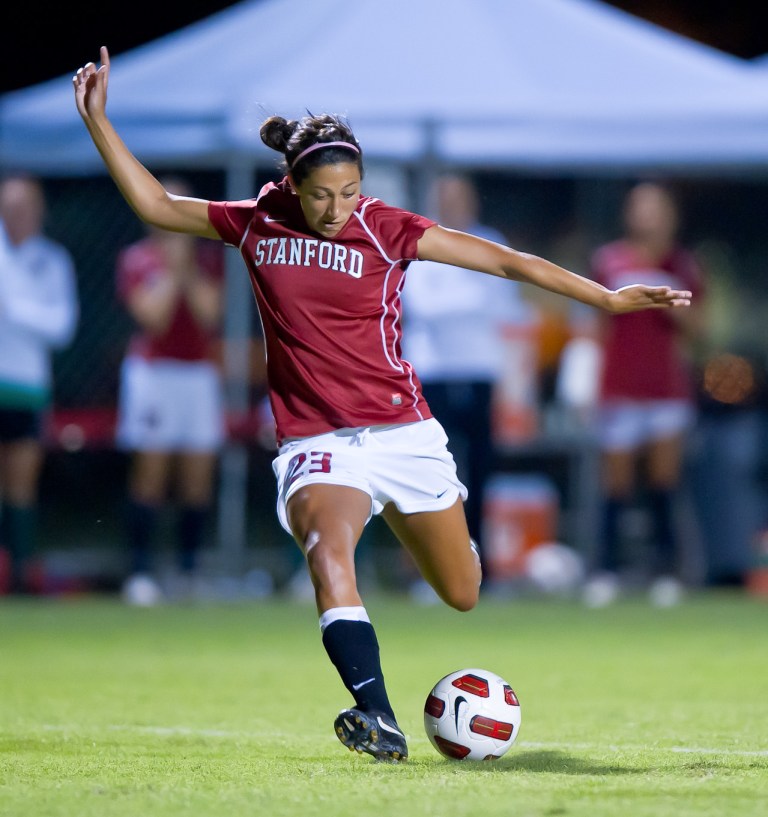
[(319, 145)]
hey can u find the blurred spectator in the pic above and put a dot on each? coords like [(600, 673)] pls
[(454, 319), (647, 396), (38, 313), (171, 406), (728, 463)]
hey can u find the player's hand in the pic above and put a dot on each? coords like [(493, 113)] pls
[(638, 296), (90, 86)]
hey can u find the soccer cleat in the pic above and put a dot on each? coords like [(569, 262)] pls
[(371, 732)]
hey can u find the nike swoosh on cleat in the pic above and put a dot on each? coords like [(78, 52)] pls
[(362, 684), (389, 728)]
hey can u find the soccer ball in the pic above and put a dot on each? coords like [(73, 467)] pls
[(472, 714)]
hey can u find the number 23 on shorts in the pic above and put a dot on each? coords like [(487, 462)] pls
[(318, 462)]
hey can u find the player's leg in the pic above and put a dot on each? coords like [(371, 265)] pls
[(22, 462), (148, 480), (194, 480), (464, 409), (143, 430), (620, 430), (664, 465), (618, 469), (199, 425), (327, 522), (618, 479), (440, 544)]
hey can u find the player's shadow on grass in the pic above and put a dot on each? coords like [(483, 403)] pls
[(550, 761)]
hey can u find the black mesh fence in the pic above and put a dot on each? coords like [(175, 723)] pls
[(90, 218)]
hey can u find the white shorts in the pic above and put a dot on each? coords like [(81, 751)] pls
[(407, 464), (170, 405), (629, 424)]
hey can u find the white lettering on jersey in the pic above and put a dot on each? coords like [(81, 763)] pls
[(280, 254), (309, 249), (324, 254), (339, 257), (295, 257), (355, 263), (294, 252)]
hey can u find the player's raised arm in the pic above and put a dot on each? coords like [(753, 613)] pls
[(464, 250), (143, 192)]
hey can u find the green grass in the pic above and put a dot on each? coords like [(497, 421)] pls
[(227, 710)]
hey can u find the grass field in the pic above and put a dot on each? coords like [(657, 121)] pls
[(227, 710)]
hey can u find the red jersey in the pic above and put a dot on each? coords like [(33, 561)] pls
[(643, 358), (330, 309), (141, 264)]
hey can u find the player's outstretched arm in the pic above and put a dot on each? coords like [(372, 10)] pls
[(464, 250), (143, 192)]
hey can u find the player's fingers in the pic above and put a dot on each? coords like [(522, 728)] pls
[(104, 70), (79, 76), (667, 295)]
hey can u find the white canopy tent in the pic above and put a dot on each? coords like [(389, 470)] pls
[(568, 85), (562, 84)]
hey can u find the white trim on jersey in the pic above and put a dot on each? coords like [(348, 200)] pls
[(382, 323), (246, 233), (397, 363), (263, 192), (392, 264)]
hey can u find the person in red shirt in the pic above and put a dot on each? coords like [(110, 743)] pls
[(171, 408), (646, 399), (327, 266)]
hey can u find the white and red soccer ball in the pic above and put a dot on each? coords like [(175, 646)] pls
[(472, 714)]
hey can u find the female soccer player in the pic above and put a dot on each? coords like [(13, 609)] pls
[(356, 437)]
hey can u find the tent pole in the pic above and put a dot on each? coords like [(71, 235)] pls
[(238, 309), (426, 171)]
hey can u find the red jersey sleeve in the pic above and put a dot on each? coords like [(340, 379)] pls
[(398, 230), (230, 219)]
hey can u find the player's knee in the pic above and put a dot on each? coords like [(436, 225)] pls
[(462, 598), (328, 563)]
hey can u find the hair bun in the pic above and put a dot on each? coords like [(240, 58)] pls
[(276, 132)]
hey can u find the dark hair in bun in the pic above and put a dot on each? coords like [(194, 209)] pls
[(291, 137)]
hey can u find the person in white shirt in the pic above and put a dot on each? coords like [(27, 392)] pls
[(38, 313), (454, 319)]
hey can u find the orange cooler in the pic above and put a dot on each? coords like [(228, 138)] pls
[(520, 511)]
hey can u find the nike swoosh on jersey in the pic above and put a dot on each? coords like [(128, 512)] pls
[(441, 493), (362, 684), (274, 220)]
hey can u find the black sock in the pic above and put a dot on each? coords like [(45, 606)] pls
[(661, 504), (19, 533), (190, 536), (140, 520), (607, 556), (354, 650)]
